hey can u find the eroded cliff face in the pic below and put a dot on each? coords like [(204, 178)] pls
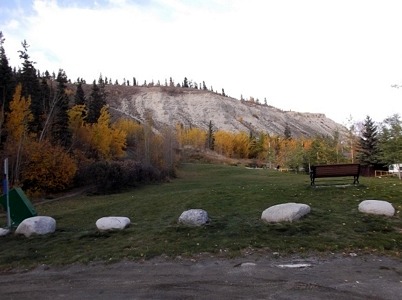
[(169, 106)]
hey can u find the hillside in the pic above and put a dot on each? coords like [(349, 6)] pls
[(169, 106)]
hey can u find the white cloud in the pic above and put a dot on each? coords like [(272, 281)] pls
[(335, 57)]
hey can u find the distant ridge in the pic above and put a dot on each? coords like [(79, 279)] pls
[(169, 106)]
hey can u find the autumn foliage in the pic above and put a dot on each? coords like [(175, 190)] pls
[(113, 155), (47, 168)]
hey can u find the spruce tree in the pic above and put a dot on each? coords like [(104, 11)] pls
[(7, 82), (60, 132), (97, 100), (7, 85), (211, 136), (368, 152), (31, 88), (79, 97), (185, 83), (46, 94), (287, 132)]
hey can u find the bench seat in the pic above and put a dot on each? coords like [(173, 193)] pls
[(336, 170)]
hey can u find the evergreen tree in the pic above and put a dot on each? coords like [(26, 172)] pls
[(390, 140), (287, 132), (368, 152), (60, 133), (97, 100), (211, 137), (31, 88), (46, 94), (223, 92), (204, 87), (7, 84), (79, 97), (185, 83)]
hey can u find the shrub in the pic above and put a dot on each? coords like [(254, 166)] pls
[(46, 168), (114, 176)]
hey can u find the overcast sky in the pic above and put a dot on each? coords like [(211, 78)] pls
[(337, 57)]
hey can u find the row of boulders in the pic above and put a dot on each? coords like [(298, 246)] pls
[(289, 212), (286, 212)]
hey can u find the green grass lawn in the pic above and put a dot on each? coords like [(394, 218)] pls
[(234, 198)]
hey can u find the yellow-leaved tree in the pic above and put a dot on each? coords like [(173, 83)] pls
[(37, 166), (134, 131), (241, 145), (106, 141), (194, 137), (101, 140), (17, 131)]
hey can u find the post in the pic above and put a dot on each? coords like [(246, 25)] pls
[(5, 187)]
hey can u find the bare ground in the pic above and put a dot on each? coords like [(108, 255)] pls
[(347, 276)]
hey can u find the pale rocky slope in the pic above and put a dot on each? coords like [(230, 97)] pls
[(169, 106)]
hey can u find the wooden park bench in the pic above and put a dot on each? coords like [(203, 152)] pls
[(337, 170)]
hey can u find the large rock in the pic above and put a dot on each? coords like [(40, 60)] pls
[(36, 225), (4, 231), (377, 207), (194, 217), (112, 223), (286, 212)]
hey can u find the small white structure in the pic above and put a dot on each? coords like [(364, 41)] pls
[(377, 207), (194, 217), (39, 225), (286, 212), (395, 168), (112, 223)]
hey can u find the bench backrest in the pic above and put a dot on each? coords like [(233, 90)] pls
[(337, 170)]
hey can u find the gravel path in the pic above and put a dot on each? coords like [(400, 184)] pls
[(252, 277)]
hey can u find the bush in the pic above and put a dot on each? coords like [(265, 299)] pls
[(46, 168), (115, 176)]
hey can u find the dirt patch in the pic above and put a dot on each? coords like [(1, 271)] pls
[(251, 277)]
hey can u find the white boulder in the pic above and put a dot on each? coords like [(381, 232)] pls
[(36, 225), (377, 207), (4, 231), (286, 212), (194, 217), (112, 223)]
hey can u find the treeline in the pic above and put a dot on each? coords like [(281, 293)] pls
[(372, 145)]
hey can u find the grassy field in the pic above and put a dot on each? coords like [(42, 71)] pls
[(234, 198)]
